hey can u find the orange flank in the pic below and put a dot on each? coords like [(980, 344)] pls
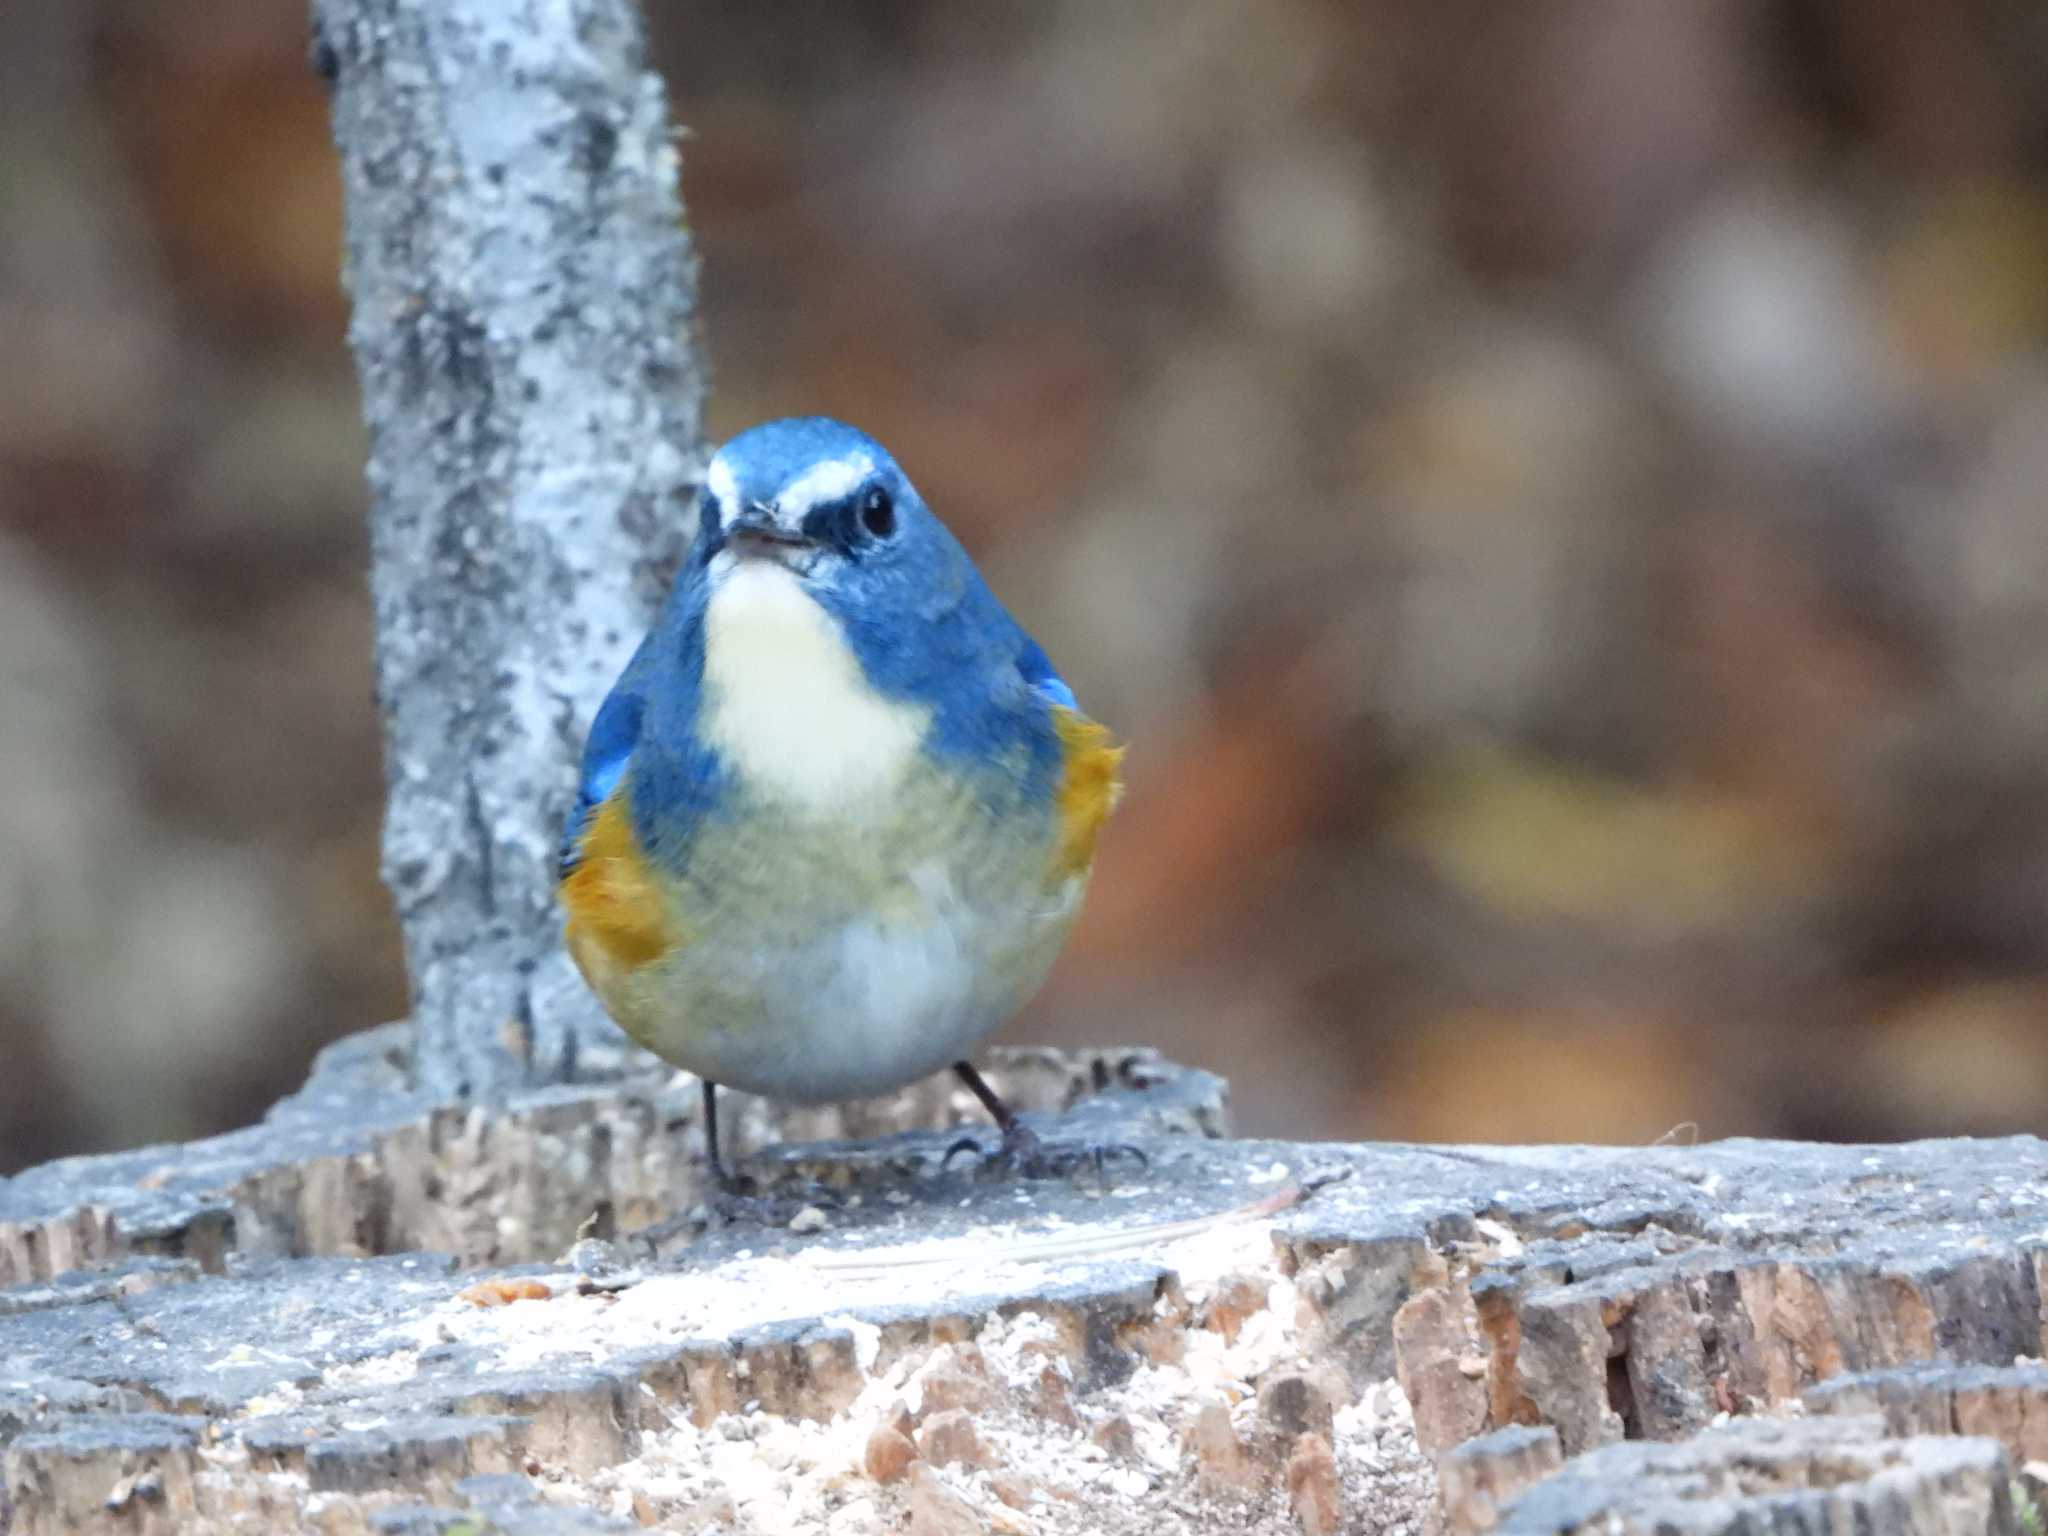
[(618, 915), (1088, 789)]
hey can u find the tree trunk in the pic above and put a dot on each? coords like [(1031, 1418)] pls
[(523, 292)]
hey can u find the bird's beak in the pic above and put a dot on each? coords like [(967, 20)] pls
[(754, 534)]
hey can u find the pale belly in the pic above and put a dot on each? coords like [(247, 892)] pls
[(835, 962)]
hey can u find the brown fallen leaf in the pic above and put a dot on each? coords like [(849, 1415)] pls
[(501, 1293)]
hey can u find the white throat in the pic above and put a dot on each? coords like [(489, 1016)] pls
[(786, 703)]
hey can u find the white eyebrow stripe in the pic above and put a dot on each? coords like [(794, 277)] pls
[(822, 483), (724, 490)]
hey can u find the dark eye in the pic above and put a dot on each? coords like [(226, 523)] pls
[(877, 513)]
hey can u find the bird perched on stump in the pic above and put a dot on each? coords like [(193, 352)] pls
[(836, 816)]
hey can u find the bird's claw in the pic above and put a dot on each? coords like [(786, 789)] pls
[(1023, 1152), (964, 1144), (737, 1202)]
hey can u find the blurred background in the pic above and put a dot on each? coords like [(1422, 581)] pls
[(1555, 495)]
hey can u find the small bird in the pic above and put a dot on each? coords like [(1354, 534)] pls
[(837, 815)]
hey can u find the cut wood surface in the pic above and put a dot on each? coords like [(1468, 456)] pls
[(1241, 1335)]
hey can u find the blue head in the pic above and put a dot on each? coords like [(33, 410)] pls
[(828, 503)]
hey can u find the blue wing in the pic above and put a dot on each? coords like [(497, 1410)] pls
[(613, 735)]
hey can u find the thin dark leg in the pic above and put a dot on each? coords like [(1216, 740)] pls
[(1021, 1148), (726, 1201), (733, 1202), (718, 1168), (1000, 1112)]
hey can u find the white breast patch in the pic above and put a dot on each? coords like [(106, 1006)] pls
[(785, 701)]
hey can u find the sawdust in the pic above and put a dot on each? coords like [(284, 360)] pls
[(1046, 1455)]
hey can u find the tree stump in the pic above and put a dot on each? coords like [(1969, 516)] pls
[(374, 1312)]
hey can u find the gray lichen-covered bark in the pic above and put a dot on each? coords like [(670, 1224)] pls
[(1791, 1479), (522, 290)]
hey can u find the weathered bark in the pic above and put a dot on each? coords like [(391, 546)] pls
[(1791, 1479), (357, 1163), (523, 291), (1211, 1346)]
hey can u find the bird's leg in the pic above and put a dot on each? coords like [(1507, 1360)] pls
[(735, 1200), (729, 1201), (1023, 1149), (727, 1184), (1020, 1142)]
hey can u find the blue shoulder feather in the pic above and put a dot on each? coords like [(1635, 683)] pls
[(1037, 670), (609, 747)]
